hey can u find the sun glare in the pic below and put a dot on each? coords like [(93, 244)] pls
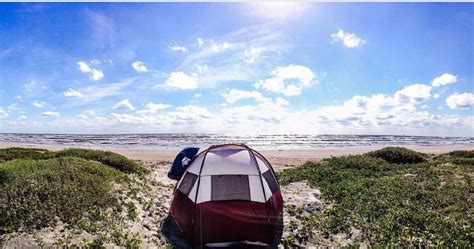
[(278, 10)]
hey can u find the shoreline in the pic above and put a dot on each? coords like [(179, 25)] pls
[(279, 158)]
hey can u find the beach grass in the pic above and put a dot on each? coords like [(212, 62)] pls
[(108, 158), (392, 196), (75, 186)]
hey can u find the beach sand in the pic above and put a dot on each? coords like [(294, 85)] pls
[(279, 159)]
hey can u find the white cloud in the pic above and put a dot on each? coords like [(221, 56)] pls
[(29, 87), (94, 74), (102, 32), (99, 62), (22, 117), (197, 95), (413, 94), (191, 110), (200, 42), (288, 80), (3, 113), (444, 79), (349, 40), (460, 100), (50, 114), (179, 48), (139, 66), (224, 58), (39, 103), (233, 95), (72, 93), (125, 105), (201, 68), (251, 54), (94, 93), (281, 101), (180, 80), (219, 47), (153, 108)]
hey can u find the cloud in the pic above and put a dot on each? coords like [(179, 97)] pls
[(139, 66), (349, 40), (444, 79), (281, 101), (153, 108), (72, 93), (101, 29), (39, 103), (180, 80), (233, 95), (179, 49), (3, 113), (29, 87), (94, 74), (413, 94), (95, 93), (224, 57), (460, 100), (22, 117), (219, 47), (50, 114), (289, 80), (251, 54), (200, 42), (124, 105), (99, 62)]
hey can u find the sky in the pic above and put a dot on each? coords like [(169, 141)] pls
[(237, 68)]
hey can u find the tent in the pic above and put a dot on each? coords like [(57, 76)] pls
[(227, 195)]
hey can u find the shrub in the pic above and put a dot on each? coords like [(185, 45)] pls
[(357, 162), (24, 153), (427, 208), (106, 157), (462, 153), (34, 193), (398, 155)]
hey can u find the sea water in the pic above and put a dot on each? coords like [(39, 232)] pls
[(277, 141)]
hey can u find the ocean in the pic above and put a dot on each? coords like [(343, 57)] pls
[(280, 141)]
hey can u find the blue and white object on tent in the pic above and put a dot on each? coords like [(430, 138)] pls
[(181, 162)]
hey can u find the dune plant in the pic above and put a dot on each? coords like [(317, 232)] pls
[(423, 203), (40, 187)]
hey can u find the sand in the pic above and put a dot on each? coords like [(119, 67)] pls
[(278, 158)]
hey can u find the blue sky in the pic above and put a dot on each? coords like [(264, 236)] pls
[(377, 68)]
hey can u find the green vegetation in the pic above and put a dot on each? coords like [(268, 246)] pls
[(393, 196), (40, 187), (108, 158), (398, 155)]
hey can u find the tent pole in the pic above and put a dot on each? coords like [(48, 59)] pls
[(195, 198), (261, 183)]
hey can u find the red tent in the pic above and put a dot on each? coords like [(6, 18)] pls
[(228, 195)]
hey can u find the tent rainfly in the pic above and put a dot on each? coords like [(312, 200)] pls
[(227, 195)]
